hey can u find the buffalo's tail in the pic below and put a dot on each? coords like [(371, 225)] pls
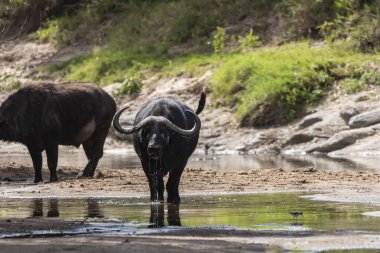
[(202, 102)]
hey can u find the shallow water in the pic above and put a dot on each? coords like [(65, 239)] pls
[(126, 158), (258, 212), (253, 211)]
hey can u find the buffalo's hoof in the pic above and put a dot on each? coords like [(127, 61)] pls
[(174, 201), (157, 201), (53, 213), (53, 179), (83, 175), (38, 180)]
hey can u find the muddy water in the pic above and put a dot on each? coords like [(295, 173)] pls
[(256, 212), (126, 158)]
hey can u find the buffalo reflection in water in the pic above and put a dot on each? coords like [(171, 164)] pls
[(37, 208), (93, 209), (157, 215), (156, 220)]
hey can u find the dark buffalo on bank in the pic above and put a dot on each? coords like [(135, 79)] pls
[(165, 134), (43, 116)]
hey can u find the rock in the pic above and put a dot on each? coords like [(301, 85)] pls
[(365, 119), (257, 140), (319, 130), (330, 118), (341, 140), (310, 120), (364, 148), (299, 138), (268, 149), (318, 127), (347, 112)]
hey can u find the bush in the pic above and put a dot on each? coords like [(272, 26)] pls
[(359, 79), (132, 83), (248, 42), (301, 19), (219, 40), (357, 24)]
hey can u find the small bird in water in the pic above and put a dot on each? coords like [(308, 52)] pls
[(295, 214)]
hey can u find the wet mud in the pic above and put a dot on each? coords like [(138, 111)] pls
[(46, 211)]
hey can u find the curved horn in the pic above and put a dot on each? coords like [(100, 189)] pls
[(157, 119), (116, 123), (184, 132)]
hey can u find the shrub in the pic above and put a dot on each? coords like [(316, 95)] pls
[(357, 24), (302, 18), (249, 41), (132, 83), (353, 85), (219, 40)]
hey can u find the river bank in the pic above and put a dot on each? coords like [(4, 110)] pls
[(362, 187)]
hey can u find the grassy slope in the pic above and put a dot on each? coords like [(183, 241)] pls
[(275, 84), (267, 84)]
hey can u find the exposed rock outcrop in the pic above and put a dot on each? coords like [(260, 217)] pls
[(365, 119), (343, 139), (348, 111)]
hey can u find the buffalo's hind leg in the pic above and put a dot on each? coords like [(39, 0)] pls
[(37, 164), (93, 148), (87, 147), (52, 159)]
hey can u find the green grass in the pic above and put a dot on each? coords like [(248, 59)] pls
[(142, 35), (265, 84), (102, 66), (276, 84), (271, 85), (193, 65)]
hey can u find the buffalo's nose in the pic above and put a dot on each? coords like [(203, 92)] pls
[(154, 149)]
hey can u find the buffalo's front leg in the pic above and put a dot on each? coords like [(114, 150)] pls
[(156, 182), (173, 215), (52, 159), (173, 184), (157, 216), (37, 164)]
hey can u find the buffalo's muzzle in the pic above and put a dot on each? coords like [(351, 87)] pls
[(154, 150)]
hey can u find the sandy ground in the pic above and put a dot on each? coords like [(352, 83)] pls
[(344, 186), (157, 243)]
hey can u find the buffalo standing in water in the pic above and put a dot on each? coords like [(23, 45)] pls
[(165, 134), (43, 116)]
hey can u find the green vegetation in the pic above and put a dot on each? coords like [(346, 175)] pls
[(132, 83), (262, 65), (142, 34), (267, 91)]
